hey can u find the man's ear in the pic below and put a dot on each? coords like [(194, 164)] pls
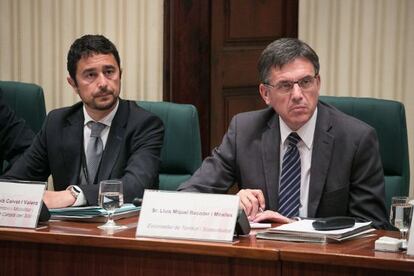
[(72, 83), (318, 79), (264, 92)]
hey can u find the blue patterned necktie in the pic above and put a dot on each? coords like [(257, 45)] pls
[(94, 150), (289, 189)]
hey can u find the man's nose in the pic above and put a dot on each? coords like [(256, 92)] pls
[(296, 91), (102, 81)]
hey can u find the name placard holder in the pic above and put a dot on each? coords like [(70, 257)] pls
[(20, 203), (181, 215)]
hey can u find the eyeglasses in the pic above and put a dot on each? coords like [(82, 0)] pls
[(286, 86)]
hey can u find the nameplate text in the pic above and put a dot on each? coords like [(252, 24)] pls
[(181, 215), (20, 203)]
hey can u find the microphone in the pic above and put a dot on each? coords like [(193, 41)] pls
[(137, 201)]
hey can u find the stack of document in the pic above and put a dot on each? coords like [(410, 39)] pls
[(92, 213), (303, 231)]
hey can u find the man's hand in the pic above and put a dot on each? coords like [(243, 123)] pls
[(59, 199), (272, 216), (252, 202)]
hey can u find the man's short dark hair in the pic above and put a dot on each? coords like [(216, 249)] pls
[(283, 51), (86, 46)]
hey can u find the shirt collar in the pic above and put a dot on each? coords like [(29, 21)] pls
[(107, 120), (306, 132)]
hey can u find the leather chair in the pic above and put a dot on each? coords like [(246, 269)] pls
[(388, 119), (181, 152), (27, 100)]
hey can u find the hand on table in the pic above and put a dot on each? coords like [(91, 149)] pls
[(272, 216), (59, 199), (252, 202)]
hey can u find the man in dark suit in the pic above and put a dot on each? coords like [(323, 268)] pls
[(337, 169), (128, 142), (15, 134)]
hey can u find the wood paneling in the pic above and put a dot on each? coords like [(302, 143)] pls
[(239, 67), (297, 269), (187, 58), (19, 258), (79, 248), (239, 32), (211, 49), (63, 260), (249, 20), (238, 100)]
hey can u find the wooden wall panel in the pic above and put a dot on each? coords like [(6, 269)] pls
[(241, 29), (250, 20), (211, 49), (240, 100), (239, 67), (20, 258), (186, 77)]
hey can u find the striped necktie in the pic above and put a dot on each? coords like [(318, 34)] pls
[(289, 189)]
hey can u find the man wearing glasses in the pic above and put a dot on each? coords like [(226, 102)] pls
[(299, 157)]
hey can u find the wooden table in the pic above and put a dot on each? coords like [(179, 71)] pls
[(75, 248)]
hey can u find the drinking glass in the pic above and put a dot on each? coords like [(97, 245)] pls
[(110, 198), (400, 216)]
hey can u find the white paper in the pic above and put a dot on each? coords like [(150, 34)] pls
[(305, 226), (259, 225)]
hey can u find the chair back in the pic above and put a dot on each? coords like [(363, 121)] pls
[(181, 151), (388, 119), (27, 101)]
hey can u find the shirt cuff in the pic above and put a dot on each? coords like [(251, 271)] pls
[(80, 200)]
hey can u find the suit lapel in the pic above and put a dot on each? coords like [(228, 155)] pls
[(114, 142), (271, 149), (72, 140), (321, 156)]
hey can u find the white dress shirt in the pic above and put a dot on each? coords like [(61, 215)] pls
[(306, 133), (107, 121)]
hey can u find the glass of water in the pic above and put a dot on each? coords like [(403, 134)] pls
[(400, 216), (111, 197)]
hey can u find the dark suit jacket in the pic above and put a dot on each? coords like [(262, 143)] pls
[(15, 134), (346, 177), (132, 151)]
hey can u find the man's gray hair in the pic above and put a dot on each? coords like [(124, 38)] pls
[(283, 51)]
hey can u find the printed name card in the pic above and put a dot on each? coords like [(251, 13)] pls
[(20, 203), (195, 216)]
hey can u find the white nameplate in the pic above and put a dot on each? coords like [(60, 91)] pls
[(195, 216), (20, 203)]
